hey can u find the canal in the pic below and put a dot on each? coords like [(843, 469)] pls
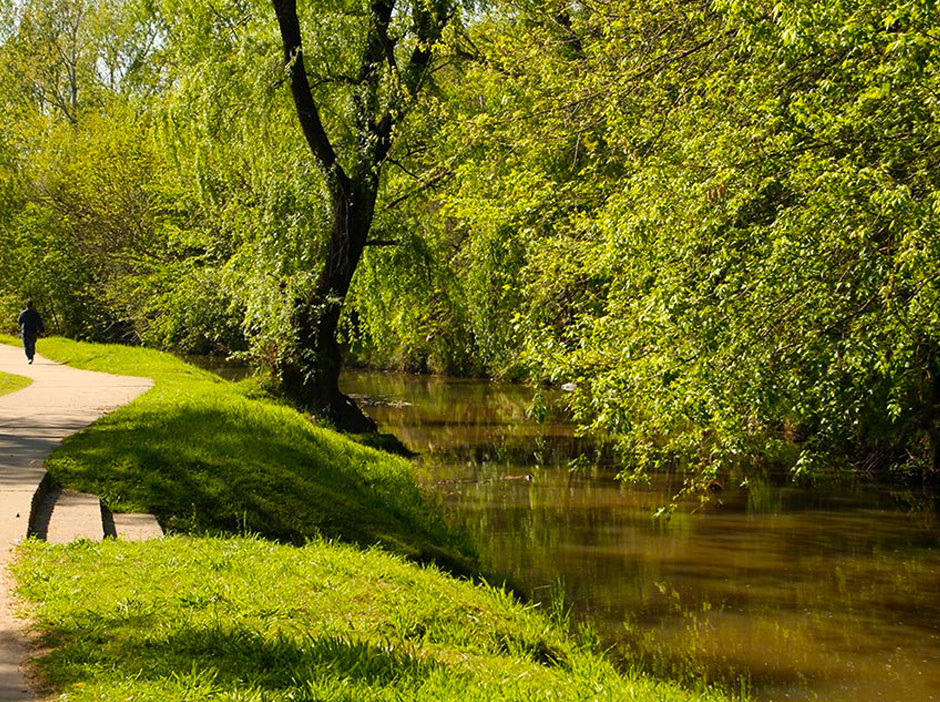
[(804, 594)]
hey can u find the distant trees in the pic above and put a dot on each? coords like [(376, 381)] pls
[(77, 167)]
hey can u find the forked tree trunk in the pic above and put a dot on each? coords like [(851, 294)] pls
[(310, 367), (310, 372)]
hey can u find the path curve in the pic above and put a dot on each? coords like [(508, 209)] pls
[(33, 421)]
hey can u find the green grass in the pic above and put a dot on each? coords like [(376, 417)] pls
[(209, 456), (250, 620), (11, 383), (294, 616)]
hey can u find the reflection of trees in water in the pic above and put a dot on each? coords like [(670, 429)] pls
[(452, 400), (458, 420), (775, 595), (784, 584), (860, 628), (717, 587)]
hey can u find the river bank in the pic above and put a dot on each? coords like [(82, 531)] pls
[(219, 612)]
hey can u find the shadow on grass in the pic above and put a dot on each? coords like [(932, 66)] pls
[(249, 468), (231, 658)]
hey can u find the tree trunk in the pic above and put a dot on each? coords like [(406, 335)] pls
[(310, 371), (309, 368)]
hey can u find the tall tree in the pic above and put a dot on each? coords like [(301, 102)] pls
[(392, 64)]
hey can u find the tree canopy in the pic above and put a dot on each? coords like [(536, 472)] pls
[(717, 219)]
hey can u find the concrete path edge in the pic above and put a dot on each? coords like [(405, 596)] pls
[(33, 421)]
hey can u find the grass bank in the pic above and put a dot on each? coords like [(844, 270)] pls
[(11, 383), (213, 613), (209, 456), (245, 619)]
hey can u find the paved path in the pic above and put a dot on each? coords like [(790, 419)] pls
[(33, 421)]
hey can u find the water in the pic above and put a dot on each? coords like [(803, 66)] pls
[(806, 594)]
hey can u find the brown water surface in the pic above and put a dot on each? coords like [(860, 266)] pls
[(829, 595)]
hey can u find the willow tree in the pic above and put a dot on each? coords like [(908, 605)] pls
[(389, 65)]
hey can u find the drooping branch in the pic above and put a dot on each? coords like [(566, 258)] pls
[(307, 111), (374, 124), (428, 21)]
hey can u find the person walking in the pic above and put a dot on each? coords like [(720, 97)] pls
[(31, 327)]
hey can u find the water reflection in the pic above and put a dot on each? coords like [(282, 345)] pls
[(222, 366), (808, 595)]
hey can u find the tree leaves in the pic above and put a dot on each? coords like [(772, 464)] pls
[(724, 256)]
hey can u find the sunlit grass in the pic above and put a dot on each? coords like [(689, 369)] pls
[(226, 616), (245, 619), (11, 383)]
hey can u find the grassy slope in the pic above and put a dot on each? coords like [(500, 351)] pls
[(11, 383), (244, 619), (206, 456)]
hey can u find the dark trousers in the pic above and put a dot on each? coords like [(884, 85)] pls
[(29, 343)]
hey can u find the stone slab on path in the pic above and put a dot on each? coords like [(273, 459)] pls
[(33, 421), (136, 527), (65, 516)]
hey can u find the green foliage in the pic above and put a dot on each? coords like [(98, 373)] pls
[(725, 219), (716, 219), (407, 308), (251, 203), (90, 212), (244, 619)]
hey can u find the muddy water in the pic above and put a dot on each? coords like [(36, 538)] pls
[(805, 595)]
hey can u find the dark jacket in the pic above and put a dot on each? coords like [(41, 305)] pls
[(30, 323)]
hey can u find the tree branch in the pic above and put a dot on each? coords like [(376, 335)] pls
[(382, 13), (429, 21), (307, 111), (426, 185), (395, 162)]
